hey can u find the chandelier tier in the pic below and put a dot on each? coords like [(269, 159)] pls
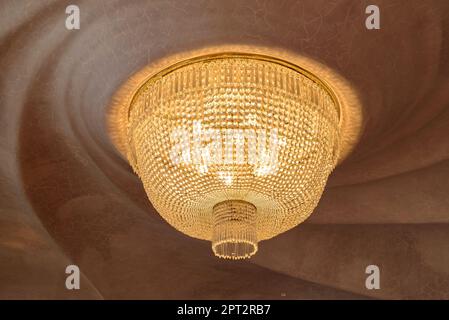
[(233, 148)]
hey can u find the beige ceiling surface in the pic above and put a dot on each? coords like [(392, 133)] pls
[(67, 197)]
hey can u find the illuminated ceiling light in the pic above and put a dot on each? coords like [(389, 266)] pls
[(234, 148)]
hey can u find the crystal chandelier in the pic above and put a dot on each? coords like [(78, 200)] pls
[(233, 148)]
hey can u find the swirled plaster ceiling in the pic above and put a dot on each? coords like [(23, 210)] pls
[(68, 197)]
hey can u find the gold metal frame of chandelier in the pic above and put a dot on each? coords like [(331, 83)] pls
[(344, 96), (225, 55)]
